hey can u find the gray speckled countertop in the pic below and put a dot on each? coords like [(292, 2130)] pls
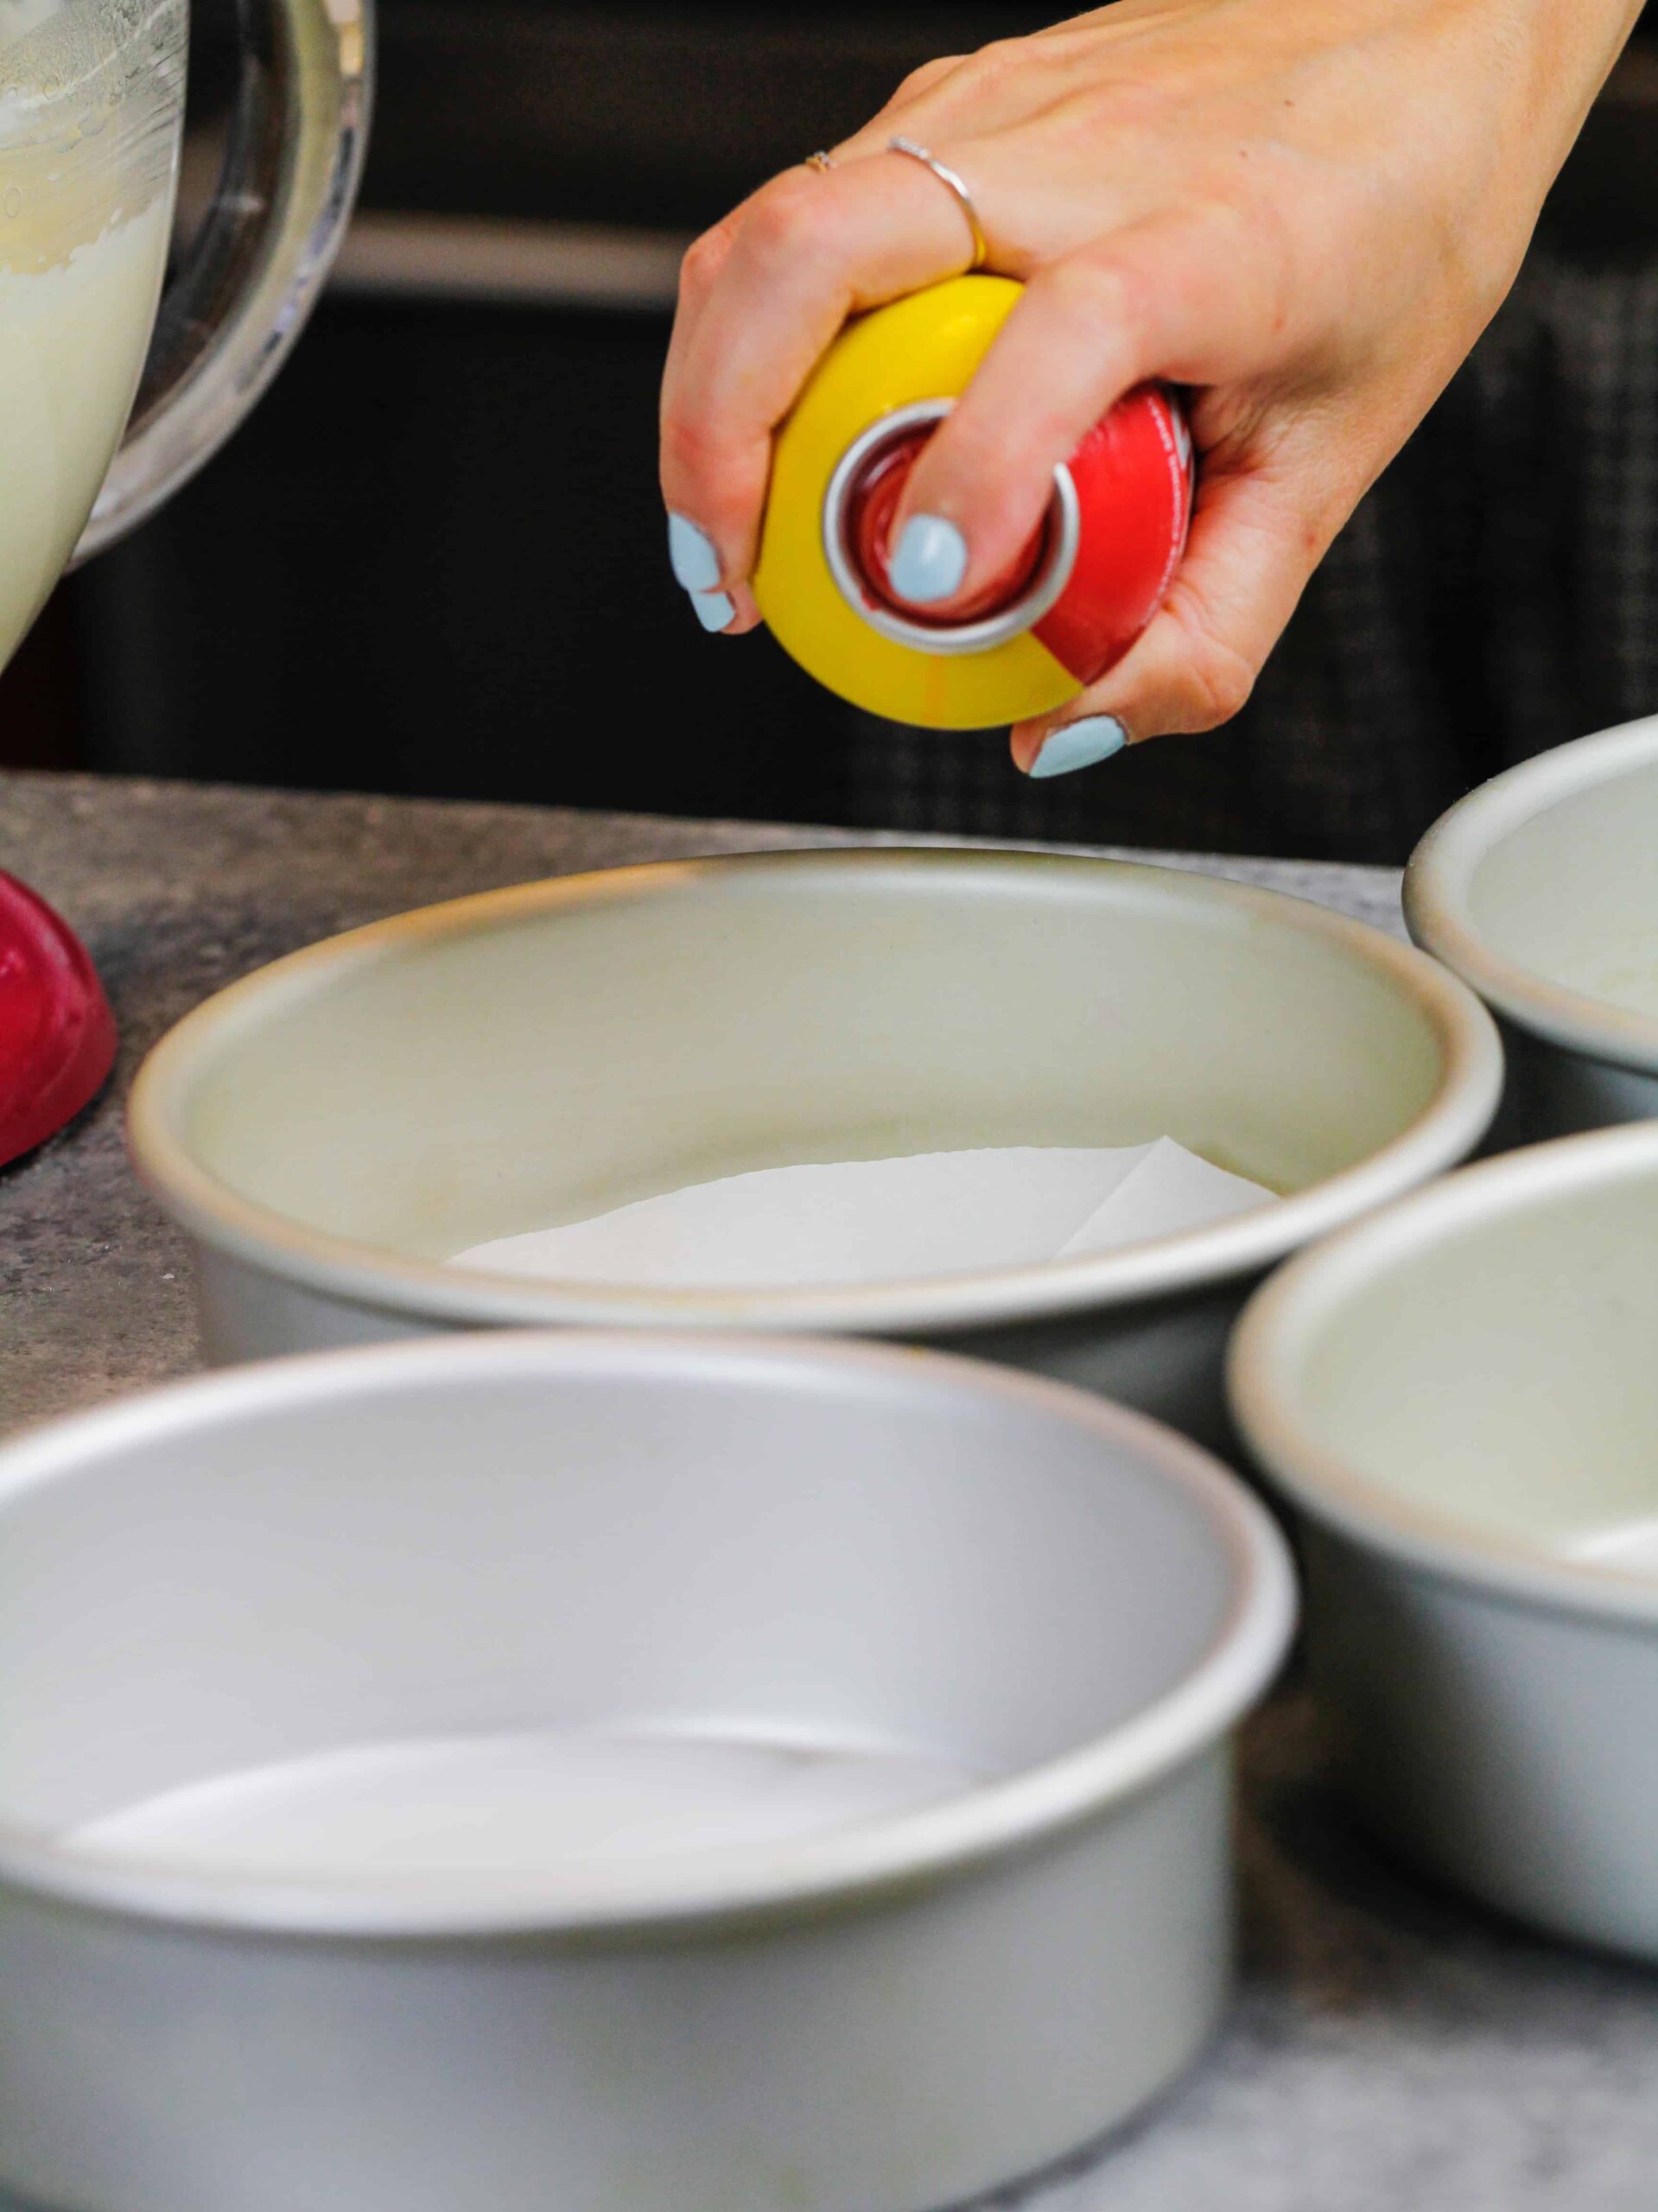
[(1390, 2050)]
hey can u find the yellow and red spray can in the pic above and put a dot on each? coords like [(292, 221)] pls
[(1073, 603)]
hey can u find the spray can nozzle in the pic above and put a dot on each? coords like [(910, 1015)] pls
[(859, 506)]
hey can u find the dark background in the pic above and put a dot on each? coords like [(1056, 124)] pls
[(433, 562)]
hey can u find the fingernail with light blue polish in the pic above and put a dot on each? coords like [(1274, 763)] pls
[(691, 556), (930, 560), (1079, 744), (714, 609)]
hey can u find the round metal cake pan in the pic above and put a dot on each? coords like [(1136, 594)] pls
[(332, 1129), (797, 1553), (1459, 1397), (1541, 890)]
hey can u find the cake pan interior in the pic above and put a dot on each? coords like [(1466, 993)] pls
[(1480, 1364), (536, 1057), (669, 1615), (1571, 893)]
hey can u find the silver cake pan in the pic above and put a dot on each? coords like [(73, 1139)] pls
[(1460, 1397), (661, 1594), (1541, 890), (332, 1128)]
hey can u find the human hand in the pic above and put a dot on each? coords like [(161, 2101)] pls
[(1305, 211)]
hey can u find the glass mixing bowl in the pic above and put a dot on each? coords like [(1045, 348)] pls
[(92, 106)]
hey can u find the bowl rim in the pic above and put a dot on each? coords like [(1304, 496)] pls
[(1448, 1127), (1266, 1363), (874, 1859), (1439, 877)]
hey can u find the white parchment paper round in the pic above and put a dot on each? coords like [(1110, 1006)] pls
[(937, 1213)]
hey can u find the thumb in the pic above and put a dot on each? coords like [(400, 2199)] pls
[(1254, 541)]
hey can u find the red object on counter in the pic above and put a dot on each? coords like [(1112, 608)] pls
[(57, 1034)]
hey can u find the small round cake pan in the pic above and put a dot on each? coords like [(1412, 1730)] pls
[(1460, 1396), (332, 1130), (1541, 890), (621, 1772)]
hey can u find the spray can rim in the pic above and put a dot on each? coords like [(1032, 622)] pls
[(1052, 574)]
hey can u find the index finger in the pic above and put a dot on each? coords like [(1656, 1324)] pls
[(1192, 294)]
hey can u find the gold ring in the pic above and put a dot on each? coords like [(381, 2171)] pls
[(823, 163), (947, 177)]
